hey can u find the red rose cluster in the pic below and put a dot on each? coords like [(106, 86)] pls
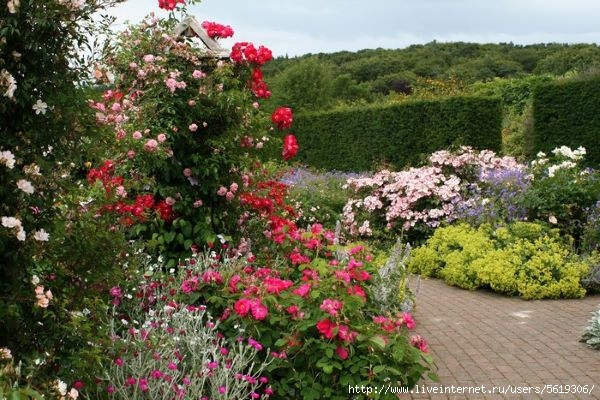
[(282, 117), (169, 4), (217, 31)]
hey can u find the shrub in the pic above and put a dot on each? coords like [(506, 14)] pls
[(561, 190), (187, 129), (315, 318), (319, 197), (416, 200), (359, 138), (591, 333), (522, 258)]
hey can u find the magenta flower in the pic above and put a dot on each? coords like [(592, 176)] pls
[(255, 344), (331, 306)]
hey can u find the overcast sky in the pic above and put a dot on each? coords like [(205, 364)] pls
[(297, 27)]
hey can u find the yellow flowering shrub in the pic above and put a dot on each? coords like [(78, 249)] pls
[(523, 258)]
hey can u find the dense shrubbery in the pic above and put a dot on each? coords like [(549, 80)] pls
[(522, 258), (564, 113), (399, 134)]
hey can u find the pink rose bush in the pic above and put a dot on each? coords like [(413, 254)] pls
[(186, 127)]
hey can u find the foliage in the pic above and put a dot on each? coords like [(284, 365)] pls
[(318, 197), (397, 134), (565, 115), (54, 257), (307, 85), (166, 349), (591, 333), (562, 190), (521, 258), (312, 310)]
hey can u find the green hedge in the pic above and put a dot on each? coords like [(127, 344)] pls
[(359, 139), (566, 113)]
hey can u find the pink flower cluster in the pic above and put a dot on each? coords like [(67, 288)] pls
[(427, 195)]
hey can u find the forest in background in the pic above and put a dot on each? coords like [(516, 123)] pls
[(327, 80)]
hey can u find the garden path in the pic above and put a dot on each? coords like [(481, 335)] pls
[(482, 338)]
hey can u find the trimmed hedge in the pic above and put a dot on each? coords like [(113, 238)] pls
[(566, 113), (360, 139)]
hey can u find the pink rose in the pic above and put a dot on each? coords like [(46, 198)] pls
[(151, 145)]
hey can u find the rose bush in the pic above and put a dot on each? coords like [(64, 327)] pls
[(187, 128), (314, 314), (54, 257)]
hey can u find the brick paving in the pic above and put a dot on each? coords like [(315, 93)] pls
[(482, 338)]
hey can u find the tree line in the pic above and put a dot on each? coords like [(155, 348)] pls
[(326, 80)]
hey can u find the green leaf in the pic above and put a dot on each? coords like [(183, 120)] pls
[(329, 352), (377, 341), (378, 369)]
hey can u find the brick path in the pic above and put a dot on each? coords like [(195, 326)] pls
[(481, 338)]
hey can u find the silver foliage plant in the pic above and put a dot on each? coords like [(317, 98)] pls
[(391, 285), (591, 333)]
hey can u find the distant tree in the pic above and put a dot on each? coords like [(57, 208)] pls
[(305, 85), (572, 58)]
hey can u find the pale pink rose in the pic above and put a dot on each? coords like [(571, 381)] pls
[(229, 196), (151, 145), (198, 203), (233, 187), (43, 302), (193, 127), (259, 145), (120, 134), (148, 58), (222, 191), (191, 103), (133, 65), (39, 290), (198, 74), (131, 154), (170, 201), (161, 138), (187, 172), (255, 105), (116, 107), (48, 294), (121, 192), (137, 135), (205, 124), (171, 84)]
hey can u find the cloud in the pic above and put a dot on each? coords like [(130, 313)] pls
[(295, 27)]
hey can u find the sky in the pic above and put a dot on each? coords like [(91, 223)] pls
[(298, 27)]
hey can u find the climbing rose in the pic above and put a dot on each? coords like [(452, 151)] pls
[(169, 4), (290, 147), (216, 31), (282, 117)]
